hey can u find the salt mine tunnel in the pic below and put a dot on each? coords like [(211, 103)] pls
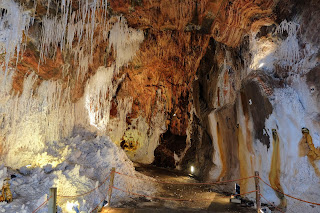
[(159, 106)]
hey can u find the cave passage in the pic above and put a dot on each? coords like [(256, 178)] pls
[(170, 146)]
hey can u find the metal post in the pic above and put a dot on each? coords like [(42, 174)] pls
[(52, 203), (258, 200), (113, 171)]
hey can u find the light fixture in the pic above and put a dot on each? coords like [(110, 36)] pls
[(192, 169), (72, 207), (236, 189), (261, 65), (28, 166)]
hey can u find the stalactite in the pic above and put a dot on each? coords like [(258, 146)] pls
[(99, 93), (14, 22), (101, 88), (289, 51), (47, 108), (125, 42), (282, 51), (275, 168), (34, 117), (118, 125), (81, 26)]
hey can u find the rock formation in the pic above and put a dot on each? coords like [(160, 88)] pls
[(225, 86)]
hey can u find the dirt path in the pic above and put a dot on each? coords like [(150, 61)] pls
[(216, 201)]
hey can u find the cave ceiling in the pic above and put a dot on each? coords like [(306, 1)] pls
[(177, 35)]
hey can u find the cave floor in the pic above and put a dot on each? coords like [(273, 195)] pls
[(219, 201)]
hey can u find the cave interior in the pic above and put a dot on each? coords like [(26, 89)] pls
[(213, 89)]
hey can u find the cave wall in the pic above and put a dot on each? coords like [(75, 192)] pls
[(146, 52), (254, 101)]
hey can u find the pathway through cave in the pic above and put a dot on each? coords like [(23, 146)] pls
[(219, 200)]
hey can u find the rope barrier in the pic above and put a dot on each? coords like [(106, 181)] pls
[(318, 204), (63, 196), (272, 204), (171, 199), (99, 203), (179, 183), (175, 183), (42, 205), (86, 193)]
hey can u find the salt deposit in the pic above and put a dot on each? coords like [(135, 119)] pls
[(85, 161)]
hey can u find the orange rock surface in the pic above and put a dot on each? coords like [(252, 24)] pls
[(176, 37)]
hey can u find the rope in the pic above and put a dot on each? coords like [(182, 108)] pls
[(99, 203), (86, 193), (171, 199), (179, 183), (318, 204), (42, 205), (271, 204), (174, 199), (63, 196)]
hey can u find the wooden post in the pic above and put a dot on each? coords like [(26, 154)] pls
[(113, 171), (52, 203), (258, 200)]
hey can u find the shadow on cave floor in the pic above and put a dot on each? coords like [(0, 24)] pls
[(220, 201)]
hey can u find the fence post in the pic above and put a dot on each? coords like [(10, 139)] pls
[(258, 200), (52, 203), (113, 171)]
